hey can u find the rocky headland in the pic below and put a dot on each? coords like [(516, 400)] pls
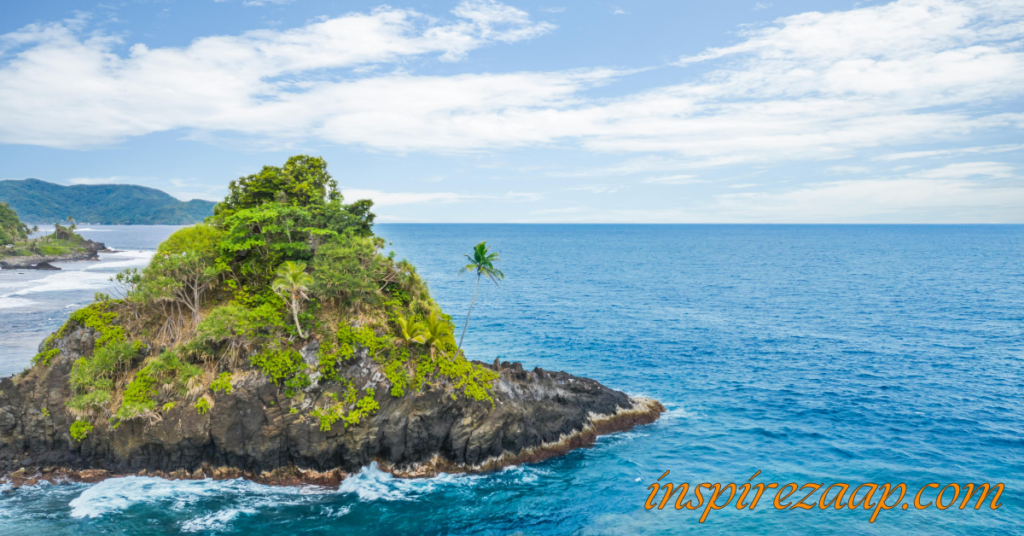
[(89, 251), (253, 432), (278, 343)]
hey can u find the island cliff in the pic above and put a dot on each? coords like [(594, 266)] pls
[(230, 356), (19, 252)]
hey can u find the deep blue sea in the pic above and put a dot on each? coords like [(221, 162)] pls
[(815, 354)]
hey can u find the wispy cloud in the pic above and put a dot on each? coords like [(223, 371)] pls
[(596, 188), (849, 169), (967, 169), (812, 86), (875, 200), (673, 179), (385, 199), (960, 151)]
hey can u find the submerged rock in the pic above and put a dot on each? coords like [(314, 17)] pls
[(256, 432)]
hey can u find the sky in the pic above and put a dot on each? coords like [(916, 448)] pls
[(535, 111)]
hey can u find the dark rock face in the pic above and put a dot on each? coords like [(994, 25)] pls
[(254, 433)]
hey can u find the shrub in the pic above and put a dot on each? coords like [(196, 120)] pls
[(222, 383), (138, 396), (278, 363), (80, 430), (202, 406), (298, 383)]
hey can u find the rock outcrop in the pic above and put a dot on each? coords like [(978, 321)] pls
[(90, 252), (256, 432)]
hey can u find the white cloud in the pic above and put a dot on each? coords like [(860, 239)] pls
[(952, 152), (385, 199), (810, 86), (761, 5), (968, 169), (877, 200), (849, 169), (524, 196), (596, 188), (60, 87), (673, 179)]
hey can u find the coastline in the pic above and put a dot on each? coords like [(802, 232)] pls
[(644, 411)]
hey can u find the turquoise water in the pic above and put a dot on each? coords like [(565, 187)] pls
[(811, 353)]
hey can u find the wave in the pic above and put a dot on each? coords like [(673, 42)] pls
[(67, 280), (215, 521), (122, 259), (118, 494), (7, 302), (372, 484)]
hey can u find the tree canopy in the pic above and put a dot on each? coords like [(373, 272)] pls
[(282, 264)]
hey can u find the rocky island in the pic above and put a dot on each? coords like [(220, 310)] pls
[(19, 252), (276, 342)]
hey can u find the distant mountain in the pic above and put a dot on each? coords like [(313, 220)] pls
[(40, 202)]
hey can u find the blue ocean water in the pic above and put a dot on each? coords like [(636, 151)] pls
[(814, 354)]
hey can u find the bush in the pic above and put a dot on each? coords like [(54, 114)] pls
[(202, 406), (139, 397), (222, 383), (278, 363), (80, 430)]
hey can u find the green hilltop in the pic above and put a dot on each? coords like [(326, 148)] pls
[(40, 202)]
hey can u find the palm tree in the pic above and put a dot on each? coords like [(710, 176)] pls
[(292, 282), (482, 262), (410, 331), (437, 331)]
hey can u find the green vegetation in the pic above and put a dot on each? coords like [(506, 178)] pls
[(481, 262), (11, 227), (14, 240), (282, 264), (334, 412), (202, 406), (43, 202), (80, 430), (292, 283), (222, 384)]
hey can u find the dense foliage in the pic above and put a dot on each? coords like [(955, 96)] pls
[(283, 266), (42, 202), (11, 227)]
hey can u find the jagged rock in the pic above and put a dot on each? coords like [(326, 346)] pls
[(252, 432)]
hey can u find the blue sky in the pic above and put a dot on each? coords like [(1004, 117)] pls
[(481, 111)]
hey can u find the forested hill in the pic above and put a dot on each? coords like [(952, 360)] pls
[(40, 202)]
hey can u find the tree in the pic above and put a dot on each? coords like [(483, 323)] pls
[(292, 283), (410, 331), (437, 331), (482, 262)]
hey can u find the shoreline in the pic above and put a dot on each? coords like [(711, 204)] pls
[(644, 411), (90, 252)]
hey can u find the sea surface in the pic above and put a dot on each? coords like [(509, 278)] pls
[(815, 354)]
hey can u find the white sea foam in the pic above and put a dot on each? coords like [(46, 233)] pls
[(214, 521), (372, 484), (7, 302), (123, 259), (117, 494), (68, 280)]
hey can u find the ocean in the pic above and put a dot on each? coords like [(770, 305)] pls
[(811, 353)]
